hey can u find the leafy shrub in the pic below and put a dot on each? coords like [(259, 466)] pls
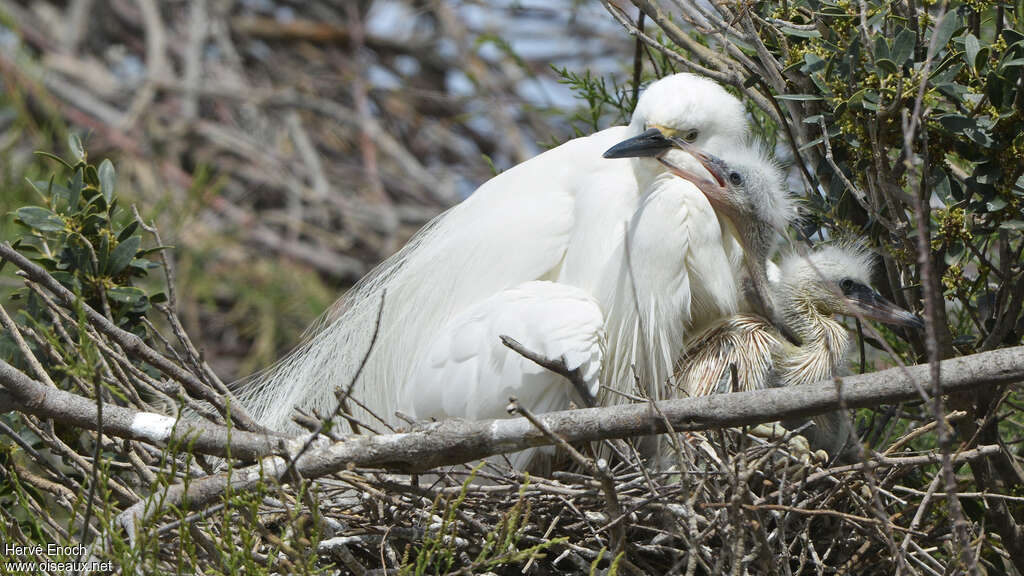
[(85, 240)]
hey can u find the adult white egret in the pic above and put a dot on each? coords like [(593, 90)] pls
[(810, 291), (677, 274), (559, 216), (669, 271)]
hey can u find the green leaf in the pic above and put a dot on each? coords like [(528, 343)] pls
[(122, 255), (994, 86), (957, 123), (75, 186), (822, 84), (876, 19), (149, 251), (60, 199), (77, 150), (903, 46), (967, 126), (41, 188), (40, 219), (946, 71), (1012, 225), (1018, 186), (93, 223), (813, 63), (126, 295), (53, 157), (887, 65), (1012, 37), (108, 178), (946, 28), (142, 265), (67, 279), (881, 48), (74, 196), (981, 59), (103, 252), (98, 203), (78, 257), (971, 48), (864, 98), (1015, 63), (995, 204), (799, 97), (128, 231), (799, 33), (942, 189)]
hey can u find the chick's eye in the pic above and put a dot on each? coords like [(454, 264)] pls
[(846, 284), (735, 178), (691, 135)]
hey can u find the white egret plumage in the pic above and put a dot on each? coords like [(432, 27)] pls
[(809, 291), (558, 217), (678, 268), (550, 319), (669, 273), (749, 191)]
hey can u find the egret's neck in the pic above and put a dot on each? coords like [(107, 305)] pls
[(826, 343), (646, 171)]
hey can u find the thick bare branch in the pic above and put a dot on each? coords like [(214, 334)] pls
[(25, 395), (128, 341), (459, 441)]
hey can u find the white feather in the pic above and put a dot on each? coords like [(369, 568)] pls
[(468, 372), (559, 216), (515, 228), (683, 279)]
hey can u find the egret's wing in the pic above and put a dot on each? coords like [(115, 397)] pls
[(468, 372), (747, 342), (515, 228)]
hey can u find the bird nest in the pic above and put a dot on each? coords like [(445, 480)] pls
[(741, 505)]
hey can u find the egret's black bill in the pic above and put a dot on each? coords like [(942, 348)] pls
[(651, 143), (875, 307)]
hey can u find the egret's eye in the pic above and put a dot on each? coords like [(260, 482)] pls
[(735, 179), (691, 135), (846, 285)]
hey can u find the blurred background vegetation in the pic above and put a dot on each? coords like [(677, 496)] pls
[(284, 148)]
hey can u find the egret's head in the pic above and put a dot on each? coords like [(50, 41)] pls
[(687, 107), (836, 279), (749, 189)]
